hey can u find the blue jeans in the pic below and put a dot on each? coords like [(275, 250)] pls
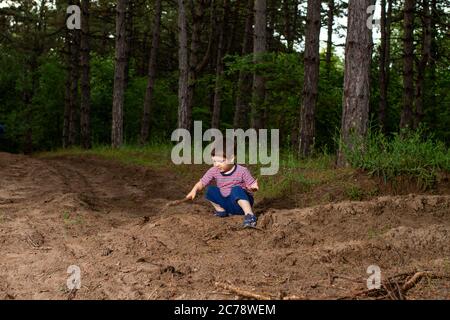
[(229, 203)]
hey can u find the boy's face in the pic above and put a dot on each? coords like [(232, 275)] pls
[(223, 163)]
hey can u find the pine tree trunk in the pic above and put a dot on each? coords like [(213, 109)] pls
[(145, 128), (330, 22), (407, 119), (184, 110), (74, 96), (271, 14), (384, 67), (259, 48), (294, 26), (33, 37), (432, 65), (244, 81), (72, 49), (388, 43), (85, 107), (67, 93), (423, 63), (358, 55), (119, 74), (206, 60), (234, 21), (197, 11), (129, 15), (27, 96), (311, 78), (219, 69), (288, 25)]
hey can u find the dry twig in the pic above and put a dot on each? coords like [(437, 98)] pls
[(396, 287), (252, 295), (243, 293)]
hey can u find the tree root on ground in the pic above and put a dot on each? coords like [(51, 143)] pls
[(395, 287)]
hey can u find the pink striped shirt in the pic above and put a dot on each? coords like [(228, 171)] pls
[(240, 176)]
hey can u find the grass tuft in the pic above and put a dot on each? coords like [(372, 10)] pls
[(407, 154)]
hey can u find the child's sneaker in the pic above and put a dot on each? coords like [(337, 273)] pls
[(221, 214), (250, 220)]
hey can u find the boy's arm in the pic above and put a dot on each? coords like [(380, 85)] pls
[(254, 186), (197, 187), (203, 182), (250, 182)]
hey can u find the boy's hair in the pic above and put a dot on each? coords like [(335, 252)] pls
[(224, 148)]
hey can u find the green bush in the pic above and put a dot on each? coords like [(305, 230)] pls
[(410, 153)]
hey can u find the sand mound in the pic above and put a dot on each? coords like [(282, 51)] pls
[(110, 221)]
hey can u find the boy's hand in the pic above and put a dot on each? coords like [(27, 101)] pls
[(254, 186), (198, 187), (191, 195)]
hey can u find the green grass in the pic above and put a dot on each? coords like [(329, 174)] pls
[(290, 177), (69, 219), (377, 232), (447, 265), (287, 181), (153, 155), (407, 154), (354, 193), (403, 155)]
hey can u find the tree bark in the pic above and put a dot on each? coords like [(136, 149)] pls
[(184, 109), (259, 48), (271, 14), (85, 107), (74, 96), (219, 69), (407, 120), (432, 65), (384, 62), (206, 60), (358, 55), (197, 11), (33, 33), (311, 78), (330, 22), (129, 15), (234, 22), (288, 25), (145, 127), (294, 26), (423, 62), (244, 81), (119, 74), (67, 93)]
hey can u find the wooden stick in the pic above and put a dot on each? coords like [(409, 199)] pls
[(176, 202), (243, 293), (414, 280), (248, 294), (294, 297), (393, 289)]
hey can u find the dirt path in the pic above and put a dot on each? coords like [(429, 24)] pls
[(108, 220)]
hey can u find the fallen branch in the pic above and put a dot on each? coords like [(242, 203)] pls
[(243, 293), (414, 280), (43, 248), (294, 297), (252, 295), (395, 287), (176, 202)]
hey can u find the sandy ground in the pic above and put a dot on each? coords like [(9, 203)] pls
[(110, 221)]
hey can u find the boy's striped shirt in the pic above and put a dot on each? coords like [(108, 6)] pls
[(238, 176)]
